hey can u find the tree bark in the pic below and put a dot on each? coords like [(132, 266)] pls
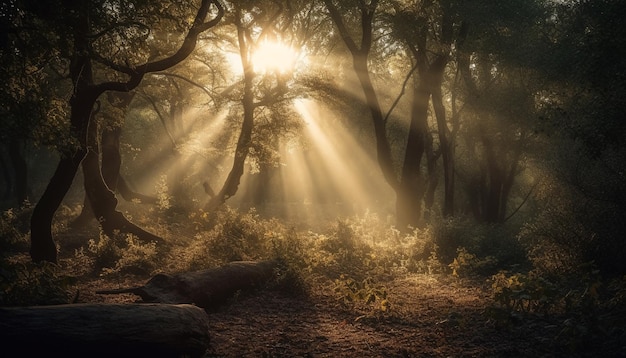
[(84, 96), (231, 185), (104, 203), (412, 181), (105, 330), (206, 288), (130, 195)]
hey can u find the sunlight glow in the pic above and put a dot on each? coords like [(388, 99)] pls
[(332, 173), (273, 56), (194, 160)]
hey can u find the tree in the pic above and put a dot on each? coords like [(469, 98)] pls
[(260, 93), (28, 68), (360, 51), (81, 31), (496, 62), (430, 31), (410, 185), (581, 114)]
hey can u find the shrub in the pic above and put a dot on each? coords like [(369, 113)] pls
[(364, 292), (494, 246), (25, 284), (13, 225), (122, 254), (583, 307), (467, 264)]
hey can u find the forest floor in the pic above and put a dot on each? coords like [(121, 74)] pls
[(428, 316)]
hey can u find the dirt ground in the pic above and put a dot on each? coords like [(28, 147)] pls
[(429, 316)]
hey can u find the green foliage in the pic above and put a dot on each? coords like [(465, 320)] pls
[(368, 292), (584, 307), (164, 200), (122, 254), (465, 263), (356, 255), (227, 235), (11, 237), (565, 234), (483, 248), (238, 237), (524, 293), (24, 284)]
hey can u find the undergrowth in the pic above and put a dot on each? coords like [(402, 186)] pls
[(352, 259), (584, 308)]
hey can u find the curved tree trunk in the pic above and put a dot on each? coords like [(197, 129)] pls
[(84, 96), (103, 201), (105, 145), (110, 149), (111, 157), (231, 185), (43, 247), (446, 146), (130, 195), (383, 148), (82, 102)]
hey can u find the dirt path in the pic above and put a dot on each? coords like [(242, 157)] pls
[(430, 316)]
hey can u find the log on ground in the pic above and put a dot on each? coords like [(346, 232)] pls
[(105, 330), (205, 288)]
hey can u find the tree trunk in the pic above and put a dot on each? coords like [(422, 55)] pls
[(111, 157), (231, 185), (42, 246), (130, 195), (104, 203), (383, 148), (86, 214), (84, 96), (412, 182), (446, 146), (105, 330), (206, 288)]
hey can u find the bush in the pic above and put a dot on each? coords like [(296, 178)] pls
[(123, 254), (13, 226), (25, 284), (584, 308), (573, 227), (494, 246)]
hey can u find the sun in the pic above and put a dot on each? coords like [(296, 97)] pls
[(274, 56)]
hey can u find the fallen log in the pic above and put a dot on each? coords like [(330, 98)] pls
[(206, 288), (105, 330)]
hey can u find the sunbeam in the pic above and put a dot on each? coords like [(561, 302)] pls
[(330, 175), (194, 155)]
